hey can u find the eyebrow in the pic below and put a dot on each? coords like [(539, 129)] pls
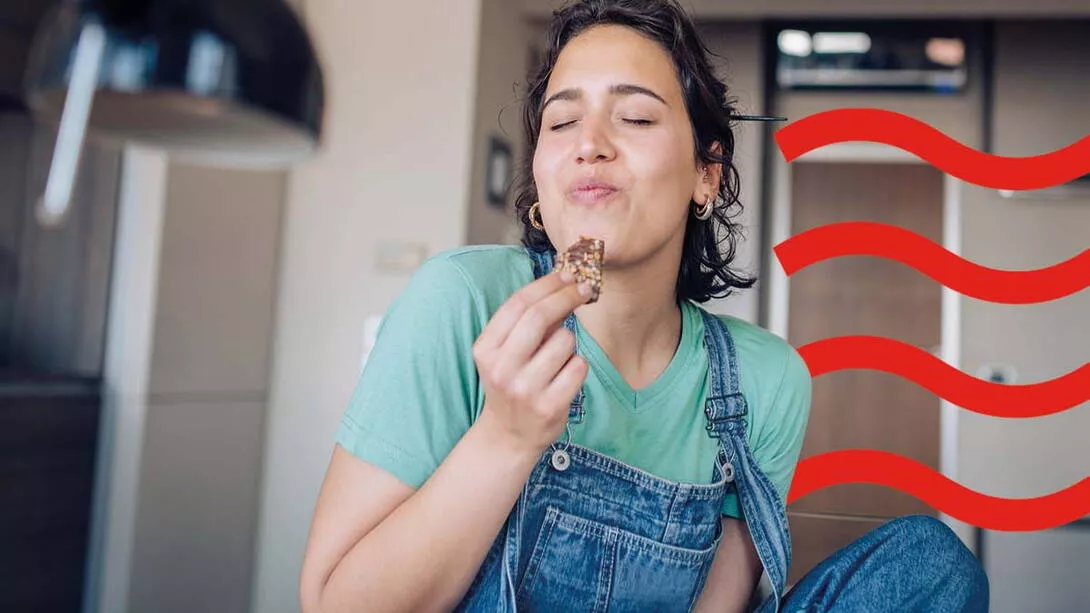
[(620, 89)]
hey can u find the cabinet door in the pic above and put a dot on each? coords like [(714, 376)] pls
[(871, 296)]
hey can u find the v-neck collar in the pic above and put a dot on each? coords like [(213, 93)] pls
[(649, 396)]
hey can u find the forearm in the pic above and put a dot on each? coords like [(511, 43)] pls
[(734, 574), (424, 555)]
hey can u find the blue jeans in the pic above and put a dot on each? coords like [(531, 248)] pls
[(910, 564)]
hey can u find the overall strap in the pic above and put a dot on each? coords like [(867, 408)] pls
[(760, 503), (725, 406), (543, 265)]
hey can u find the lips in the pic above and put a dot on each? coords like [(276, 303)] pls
[(591, 191)]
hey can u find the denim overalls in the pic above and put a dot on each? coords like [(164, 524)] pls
[(590, 533)]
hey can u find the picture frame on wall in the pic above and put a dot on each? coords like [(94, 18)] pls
[(500, 169)]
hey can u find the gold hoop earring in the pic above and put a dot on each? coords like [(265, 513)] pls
[(534, 214), (704, 213)]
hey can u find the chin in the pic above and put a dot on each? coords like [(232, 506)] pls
[(611, 244), (602, 231)]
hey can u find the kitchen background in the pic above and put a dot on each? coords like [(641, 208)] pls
[(177, 353)]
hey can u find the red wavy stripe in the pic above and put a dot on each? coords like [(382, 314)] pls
[(920, 481), (925, 369), (930, 258), (931, 145)]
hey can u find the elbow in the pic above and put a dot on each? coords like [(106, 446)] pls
[(309, 602), (310, 592)]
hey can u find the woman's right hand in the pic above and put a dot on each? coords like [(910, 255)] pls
[(527, 363)]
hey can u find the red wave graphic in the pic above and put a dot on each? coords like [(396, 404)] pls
[(930, 258), (931, 145), (918, 480), (925, 369)]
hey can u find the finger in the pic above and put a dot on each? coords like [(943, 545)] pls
[(504, 319), (532, 328), (546, 363), (556, 326), (566, 384)]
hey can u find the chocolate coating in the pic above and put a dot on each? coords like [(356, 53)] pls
[(584, 260)]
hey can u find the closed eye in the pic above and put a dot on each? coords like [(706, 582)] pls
[(561, 125), (639, 122)]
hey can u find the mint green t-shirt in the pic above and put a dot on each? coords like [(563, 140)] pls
[(419, 391)]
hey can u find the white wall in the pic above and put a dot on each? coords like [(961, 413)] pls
[(394, 169), (501, 78), (1041, 88)]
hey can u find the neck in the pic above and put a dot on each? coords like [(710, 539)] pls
[(637, 320)]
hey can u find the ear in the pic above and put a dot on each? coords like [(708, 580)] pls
[(708, 176)]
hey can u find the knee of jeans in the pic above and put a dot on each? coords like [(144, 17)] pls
[(923, 527), (947, 555)]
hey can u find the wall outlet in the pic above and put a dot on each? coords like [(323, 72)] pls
[(998, 373), (370, 335)]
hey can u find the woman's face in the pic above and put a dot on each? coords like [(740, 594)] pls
[(614, 159)]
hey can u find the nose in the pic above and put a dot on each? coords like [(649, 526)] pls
[(594, 144)]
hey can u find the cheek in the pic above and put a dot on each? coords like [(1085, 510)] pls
[(667, 170), (545, 168)]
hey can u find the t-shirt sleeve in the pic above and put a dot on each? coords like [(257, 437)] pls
[(417, 394), (777, 449)]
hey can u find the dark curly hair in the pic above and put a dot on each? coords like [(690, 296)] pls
[(709, 249)]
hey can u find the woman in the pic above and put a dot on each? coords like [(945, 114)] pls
[(517, 442)]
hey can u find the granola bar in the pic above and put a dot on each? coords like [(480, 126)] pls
[(584, 260)]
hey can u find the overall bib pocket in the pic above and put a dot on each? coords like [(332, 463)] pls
[(575, 561)]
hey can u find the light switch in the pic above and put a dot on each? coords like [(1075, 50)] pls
[(400, 257)]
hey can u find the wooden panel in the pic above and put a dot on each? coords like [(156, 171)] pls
[(870, 410), (870, 296), (815, 538)]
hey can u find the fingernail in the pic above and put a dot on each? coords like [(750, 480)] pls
[(566, 276), (585, 290)]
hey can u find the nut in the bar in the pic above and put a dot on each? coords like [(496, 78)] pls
[(584, 261)]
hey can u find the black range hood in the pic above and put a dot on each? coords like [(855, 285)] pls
[(220, 81)]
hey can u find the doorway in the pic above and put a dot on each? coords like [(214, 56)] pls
[(862, 295)]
